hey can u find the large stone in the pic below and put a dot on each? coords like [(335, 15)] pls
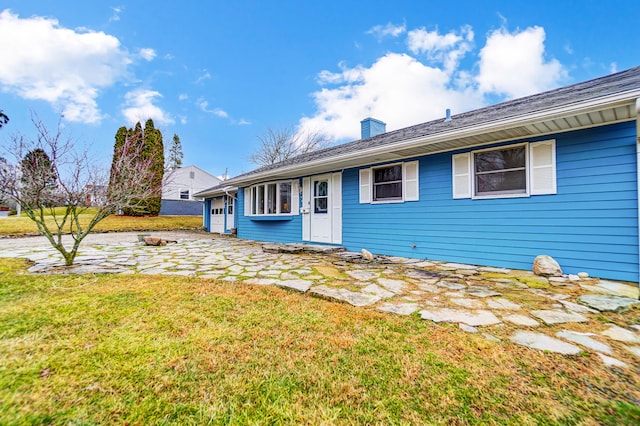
[(500, 303), (480, 291), (477, 318), (361, 275), (604, 303), (551, 317), (366, 254), (546, 266), (378, 291), (153, 241), (521, 320), (612, 362), (344, 295), (544, 343), (394, 286), (298, 285), (621, 334), (400, 308), (585, 340), (620, 289)]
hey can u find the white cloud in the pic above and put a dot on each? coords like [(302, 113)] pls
[(447, 49), (183, 97), (139, 107), (204, 106), (147, 54), (116, 14), (204, 76), (613, 67), (404, 89), (397, 89), (388, 30), (43, 61), (513, 64)]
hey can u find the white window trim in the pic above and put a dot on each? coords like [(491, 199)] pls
[(497, 194), (463, 176), (367, 184), (188, 191), (249, 199)]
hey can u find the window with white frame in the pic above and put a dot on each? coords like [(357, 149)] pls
[(518, 170), (184, 194), (271, 198), (391, 183)]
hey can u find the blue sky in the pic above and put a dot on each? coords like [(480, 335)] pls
[(220, 73)]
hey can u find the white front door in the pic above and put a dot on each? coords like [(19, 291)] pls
[(217, 215), (230, 207), (322, 208)]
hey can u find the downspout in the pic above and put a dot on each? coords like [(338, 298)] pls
[(235, 209), (638, 177)]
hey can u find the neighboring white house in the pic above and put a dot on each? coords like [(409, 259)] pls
[(179, 186)]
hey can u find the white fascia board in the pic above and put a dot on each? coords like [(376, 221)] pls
[(619, 99)]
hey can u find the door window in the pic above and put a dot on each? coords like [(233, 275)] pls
[(320, 196)]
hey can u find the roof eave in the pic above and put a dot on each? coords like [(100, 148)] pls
[(365, 156)]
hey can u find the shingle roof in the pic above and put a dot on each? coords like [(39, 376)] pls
[(618, 83)]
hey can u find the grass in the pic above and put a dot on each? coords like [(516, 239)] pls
[(143, 349), (15, 226)]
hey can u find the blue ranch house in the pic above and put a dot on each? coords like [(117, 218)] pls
[(554, 173)]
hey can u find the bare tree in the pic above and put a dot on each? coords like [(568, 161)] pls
[(68, 180), (277, 145)]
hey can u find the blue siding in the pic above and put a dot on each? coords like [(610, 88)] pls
[(285, 231), (591, 224), (180, 208), (207, 215)]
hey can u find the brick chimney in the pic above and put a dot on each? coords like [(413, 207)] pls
[(370, 127)]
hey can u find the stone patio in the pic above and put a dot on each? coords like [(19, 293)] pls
[(567, 315)]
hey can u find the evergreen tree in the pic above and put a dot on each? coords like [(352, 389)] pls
[(175, 154), (149, 140), (154, 148), (38, 176)]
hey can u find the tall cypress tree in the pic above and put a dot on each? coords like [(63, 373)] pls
[(154, 148), (150, 142)]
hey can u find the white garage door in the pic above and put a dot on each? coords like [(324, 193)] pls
[(217, 215)]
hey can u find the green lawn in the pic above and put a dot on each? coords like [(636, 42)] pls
[(165, 350), (14, 225)]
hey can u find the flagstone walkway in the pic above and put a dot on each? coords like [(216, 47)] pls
[(567, 315)]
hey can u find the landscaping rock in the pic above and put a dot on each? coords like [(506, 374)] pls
[(344, 295), (551, 317), (501, 303), (621, 334), (546, 266), (477, 318), (467, 328), (612, 362), (298, 285), (400, 309), (153, 241), (366, 254), (544, 343), (604, 303), (479, 291), (585, 340), (521, 320)]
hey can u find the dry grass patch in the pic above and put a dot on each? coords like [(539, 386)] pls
[(148, 349), (14, 225)]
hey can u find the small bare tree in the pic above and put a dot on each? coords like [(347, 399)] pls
[(277, 145), (56, 185)]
